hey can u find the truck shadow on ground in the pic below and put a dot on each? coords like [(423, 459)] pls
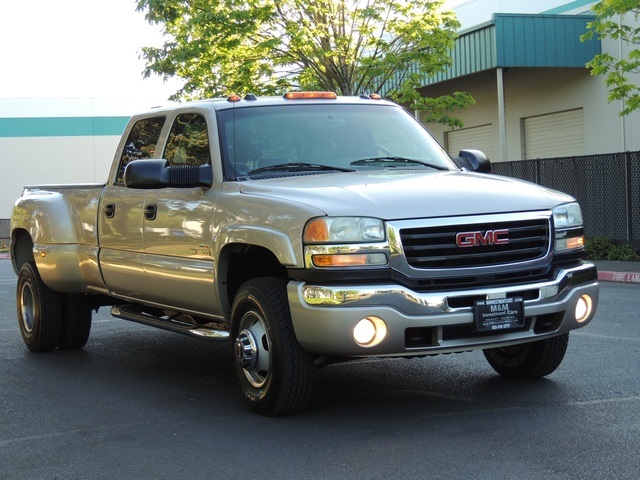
[(137, 367)]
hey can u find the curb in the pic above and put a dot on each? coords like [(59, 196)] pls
[(619, 277)]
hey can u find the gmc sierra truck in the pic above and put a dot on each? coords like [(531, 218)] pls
[(304, 230)]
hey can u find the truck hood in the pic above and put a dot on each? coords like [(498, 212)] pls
[(402, 194)]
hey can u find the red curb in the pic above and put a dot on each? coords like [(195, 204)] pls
[(623, 277)]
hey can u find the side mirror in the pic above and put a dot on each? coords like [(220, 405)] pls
[(473, 160), (157, 173)]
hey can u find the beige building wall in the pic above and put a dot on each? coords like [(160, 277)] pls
[(56, 157), (532, 92), (52, 160)]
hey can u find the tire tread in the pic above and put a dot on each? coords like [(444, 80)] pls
[(47, 309), (76, 325), (292, 384), (535, 359)]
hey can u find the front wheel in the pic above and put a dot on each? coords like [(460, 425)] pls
[(275, 372), (39, 311), (528, 360)]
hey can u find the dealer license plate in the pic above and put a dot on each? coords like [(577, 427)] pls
[(499, 314)]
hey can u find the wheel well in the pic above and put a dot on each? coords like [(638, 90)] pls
[(21, 248), (239, 263)]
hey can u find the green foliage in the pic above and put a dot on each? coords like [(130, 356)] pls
[(220, 47), (3, 247), (603, 248), (609, 23)]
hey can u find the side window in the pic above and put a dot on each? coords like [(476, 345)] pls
[(141, 143), (188, 142)]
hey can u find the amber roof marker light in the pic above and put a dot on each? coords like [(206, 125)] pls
[(370, 96), (310, 95)]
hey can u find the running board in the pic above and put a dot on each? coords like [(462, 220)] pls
[(170, 325)]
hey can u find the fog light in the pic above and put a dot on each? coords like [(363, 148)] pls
[(583, 308), (369, 331)]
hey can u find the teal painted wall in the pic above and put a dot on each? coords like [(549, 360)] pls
[(62, 126)]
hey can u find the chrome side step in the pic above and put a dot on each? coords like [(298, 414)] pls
[(207, 333)]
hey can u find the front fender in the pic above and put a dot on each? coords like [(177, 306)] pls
[(269, 238)]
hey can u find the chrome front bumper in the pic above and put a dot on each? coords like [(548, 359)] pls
[(324, 317)]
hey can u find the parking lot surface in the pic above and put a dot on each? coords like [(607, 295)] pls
[(143, 403)]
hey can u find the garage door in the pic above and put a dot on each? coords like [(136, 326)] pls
[(477, 138), (555, 135)]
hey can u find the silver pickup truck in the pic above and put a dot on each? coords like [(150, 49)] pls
[(304, 230)]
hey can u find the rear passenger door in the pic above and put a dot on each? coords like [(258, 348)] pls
[(178, 226), (121, 215)]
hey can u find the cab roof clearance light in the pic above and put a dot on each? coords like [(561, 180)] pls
[(310, 95)]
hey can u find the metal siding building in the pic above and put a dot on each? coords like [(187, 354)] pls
[(526, 71), (518, 40), (69, 140)]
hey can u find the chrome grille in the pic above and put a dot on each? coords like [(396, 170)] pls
[(435, 247)]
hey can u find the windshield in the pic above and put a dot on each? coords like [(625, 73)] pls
[(324, 138)]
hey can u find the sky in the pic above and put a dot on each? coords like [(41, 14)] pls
[(91, 48), (76, 49)]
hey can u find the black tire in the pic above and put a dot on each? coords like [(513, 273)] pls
[(275, 372), (39, 311), (76, 322), (529, 360)]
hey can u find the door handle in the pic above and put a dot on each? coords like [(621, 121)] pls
[(150, 211), (110, 210)]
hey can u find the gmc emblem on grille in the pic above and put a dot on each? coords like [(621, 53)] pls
[(478, 239)]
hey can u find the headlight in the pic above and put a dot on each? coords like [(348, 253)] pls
[(567, 216), (567, 219), (344, 230), (337, 242)]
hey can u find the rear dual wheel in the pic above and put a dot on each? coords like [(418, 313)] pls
[(49, 319)]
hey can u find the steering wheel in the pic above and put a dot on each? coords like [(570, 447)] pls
[(373, 149)]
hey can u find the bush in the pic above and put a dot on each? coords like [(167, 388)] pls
[(3, 246), (603, 248)]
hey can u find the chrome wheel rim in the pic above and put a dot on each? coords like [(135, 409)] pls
[(27, 308), (253, 349)]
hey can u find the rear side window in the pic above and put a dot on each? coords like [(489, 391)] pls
[(141, 143), (188, 142)]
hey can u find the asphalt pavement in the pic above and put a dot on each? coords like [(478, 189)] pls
[(140, 403)]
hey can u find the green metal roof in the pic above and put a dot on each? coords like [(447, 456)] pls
[(543, 41), (519, 40)]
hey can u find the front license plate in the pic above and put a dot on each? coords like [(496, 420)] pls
[(499, 314)]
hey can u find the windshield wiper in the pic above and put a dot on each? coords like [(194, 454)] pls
[(298, 166), (391, 159)]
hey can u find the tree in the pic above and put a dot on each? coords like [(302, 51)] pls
[(608, 23), (219, 47)]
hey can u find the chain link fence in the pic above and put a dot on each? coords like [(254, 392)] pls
[(4, 229), (607, 187)]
